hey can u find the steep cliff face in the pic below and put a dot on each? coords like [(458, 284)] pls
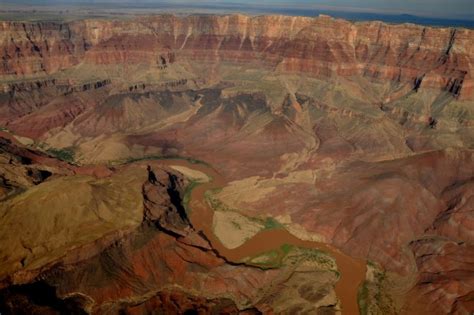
[(321, 46), (446, 276), (148, 257), (337, 131), (29, 48)]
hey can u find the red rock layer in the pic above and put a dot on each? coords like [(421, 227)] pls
[(162, 264), (437, 57), (445, 284), (29, 48)]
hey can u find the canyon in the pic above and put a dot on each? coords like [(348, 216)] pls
[(283, 152)]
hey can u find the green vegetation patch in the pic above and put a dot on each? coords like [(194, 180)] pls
[(315, 256), (267, 260), (362, 298), (271, 223), (66, 154), (288, 254), (286, 248), (272, 259), (187, 194), (373, 295)]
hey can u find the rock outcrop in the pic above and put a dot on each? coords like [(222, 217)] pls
[(128, 248), (315, 46), (355, 134)]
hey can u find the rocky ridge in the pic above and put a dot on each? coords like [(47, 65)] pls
[(341, 132)]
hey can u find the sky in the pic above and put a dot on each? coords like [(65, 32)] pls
[(431, 8), (438, 8), (451, 9)]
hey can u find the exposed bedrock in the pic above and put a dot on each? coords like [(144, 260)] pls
[(355, 134), (316, 46), (134, 251)]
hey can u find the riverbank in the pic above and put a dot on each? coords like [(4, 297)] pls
[(351, 271)]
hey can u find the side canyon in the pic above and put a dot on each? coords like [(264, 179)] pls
[(140, 159)]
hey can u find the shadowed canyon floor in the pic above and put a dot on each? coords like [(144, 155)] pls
[(337, 176)]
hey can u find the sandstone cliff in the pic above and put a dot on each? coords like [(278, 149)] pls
[(96, 248), (424, 56), (355, 134)]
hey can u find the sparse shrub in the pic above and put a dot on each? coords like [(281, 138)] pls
[(66, 154)]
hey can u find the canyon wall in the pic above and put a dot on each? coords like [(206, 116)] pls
[(441, 58), (355, 134)]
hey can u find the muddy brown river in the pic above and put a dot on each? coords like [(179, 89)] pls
[(352, 271)]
